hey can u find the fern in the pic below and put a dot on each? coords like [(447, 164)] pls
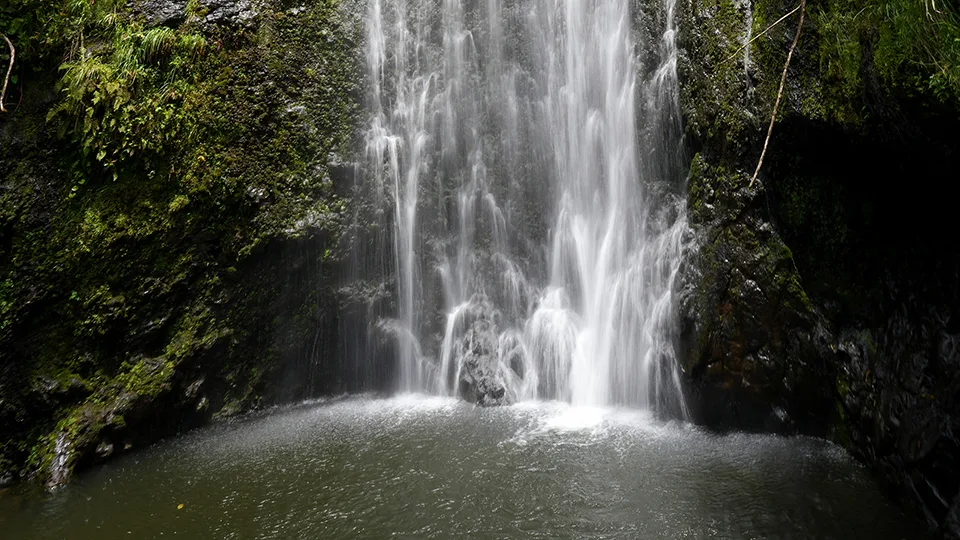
[(157, 43)]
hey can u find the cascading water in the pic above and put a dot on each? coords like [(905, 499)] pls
[(531, 159)]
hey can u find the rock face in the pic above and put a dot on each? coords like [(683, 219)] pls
[(754, 347), (197, 280), (898, 388), (480, 379), (169, 13), (209, 13), (230, 13), (823, 298)]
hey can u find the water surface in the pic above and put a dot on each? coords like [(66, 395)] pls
[(423, 467)]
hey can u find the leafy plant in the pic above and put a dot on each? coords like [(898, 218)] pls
[(915, 45), (122, 99)]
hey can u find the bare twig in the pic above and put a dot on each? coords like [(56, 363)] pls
[(783, 82), (758, 36), (13, 54)]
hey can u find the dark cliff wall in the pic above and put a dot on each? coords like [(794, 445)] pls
[(171, 205), (824, 299)]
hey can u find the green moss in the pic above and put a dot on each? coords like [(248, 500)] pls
[(6, 302), (842, 387), (148, 377), (903, 48), (134, 245), (41, 454), (913, 48), (720, 115)]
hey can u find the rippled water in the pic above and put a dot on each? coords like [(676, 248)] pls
[(420, 467)]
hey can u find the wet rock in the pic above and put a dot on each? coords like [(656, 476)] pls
[(170, 13), (229, 13), (753, 348), (173, 13), (60, 464), (52, 391), (104, 449), (480, 379), (193, 389), (898, 386), (342, 173)]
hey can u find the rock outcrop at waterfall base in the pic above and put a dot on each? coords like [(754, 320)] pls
[(480, 378), (824, 299)]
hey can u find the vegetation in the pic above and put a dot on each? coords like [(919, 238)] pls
[(914, 46), (143, 178), (783, 81), (128, 106)]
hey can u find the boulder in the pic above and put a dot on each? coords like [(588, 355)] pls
[(753, 347), (481, 380)]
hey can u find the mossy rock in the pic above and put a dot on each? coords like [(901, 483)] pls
[(168, 242), (751, 336)]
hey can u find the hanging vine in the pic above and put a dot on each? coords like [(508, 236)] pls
[(783, 82), (6, 80)]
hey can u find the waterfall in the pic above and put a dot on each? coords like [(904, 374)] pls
[(530, 157)]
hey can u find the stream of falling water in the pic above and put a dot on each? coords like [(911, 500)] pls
[(530, 155)]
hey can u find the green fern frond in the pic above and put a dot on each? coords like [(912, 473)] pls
[(157, 43)]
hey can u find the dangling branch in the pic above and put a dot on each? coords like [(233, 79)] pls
[(13, 54), (783, 82), (761, 34)]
